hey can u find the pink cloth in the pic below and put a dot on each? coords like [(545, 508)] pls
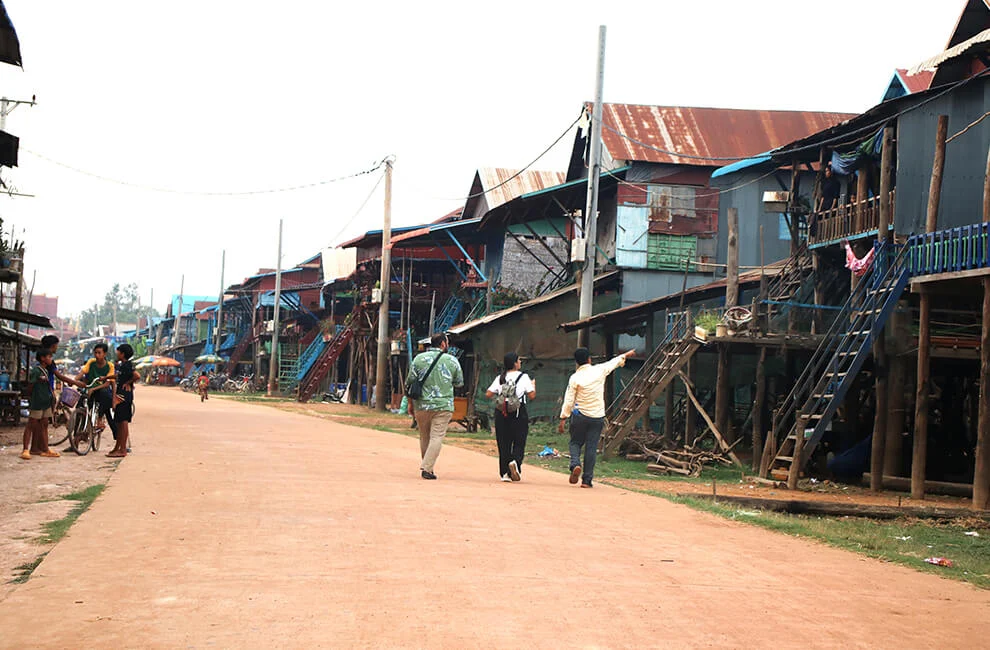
[(856, 265)]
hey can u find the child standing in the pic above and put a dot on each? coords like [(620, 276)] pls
[(123, 399), (204, 387), (39, 407)]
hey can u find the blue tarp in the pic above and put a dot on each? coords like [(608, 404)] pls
[(741, 165)]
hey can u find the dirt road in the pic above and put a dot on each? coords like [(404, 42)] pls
[(243, 526)]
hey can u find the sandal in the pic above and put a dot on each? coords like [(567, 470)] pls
[(26, 455), (119, 454), (50, 454)]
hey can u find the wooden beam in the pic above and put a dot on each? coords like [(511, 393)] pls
[(900, 333), (726, 448), (723, 392), (690, 429), (919, 452), (732, 260)]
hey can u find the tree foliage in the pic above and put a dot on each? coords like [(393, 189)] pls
[(127, 301)]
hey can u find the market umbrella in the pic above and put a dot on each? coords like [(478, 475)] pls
[(209, 358), (64, 362), (155, 361)]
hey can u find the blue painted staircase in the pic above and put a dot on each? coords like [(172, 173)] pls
[(822, 387), (448, 315)]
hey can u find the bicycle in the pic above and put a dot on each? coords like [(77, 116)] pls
[(58, 423), (84, 435)]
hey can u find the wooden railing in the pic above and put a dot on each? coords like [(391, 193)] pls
[(950, 250), (849, 221)]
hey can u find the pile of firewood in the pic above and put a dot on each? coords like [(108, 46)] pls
[(664, 457)]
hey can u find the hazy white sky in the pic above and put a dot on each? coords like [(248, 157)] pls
[(217, 95)]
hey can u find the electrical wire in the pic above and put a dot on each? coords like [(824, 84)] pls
[(968, 127), (165, 190), (357, 212), (524, 169)]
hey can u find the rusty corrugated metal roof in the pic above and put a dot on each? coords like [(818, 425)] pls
[(499, 189), (915, 83), (725, 133)]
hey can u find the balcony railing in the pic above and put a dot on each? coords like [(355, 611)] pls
[(849, 221), (952, 250)]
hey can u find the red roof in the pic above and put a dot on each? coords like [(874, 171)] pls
[(915, 83), (724, 133)]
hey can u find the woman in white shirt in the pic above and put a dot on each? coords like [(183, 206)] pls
[(511, 390)]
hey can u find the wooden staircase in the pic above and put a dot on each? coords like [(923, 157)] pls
[(324, 363), (238, 353), (820, 390), (634, 402)]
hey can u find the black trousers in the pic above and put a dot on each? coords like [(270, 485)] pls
[(511, 432), (104, 402)]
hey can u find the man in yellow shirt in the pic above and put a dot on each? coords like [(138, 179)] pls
[(99, 367), (584, 405)]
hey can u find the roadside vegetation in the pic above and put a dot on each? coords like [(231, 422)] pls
[(54, 531)]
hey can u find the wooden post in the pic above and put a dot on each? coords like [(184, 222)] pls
[(981, 477), (793, 204), (795, 471), (862, 192), (650, 343), (761, 393), (899, 333), (723, 385), (880, 361), (919, 452), (732, 261)]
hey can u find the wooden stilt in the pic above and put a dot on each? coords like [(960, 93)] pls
[(758, 402), (981, 478), (880, 360), (723, 394), (796, 463), (919, 452), (893, 458)]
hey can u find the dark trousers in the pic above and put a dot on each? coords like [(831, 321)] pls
[(104, 402), (511, 432), (585, 432)]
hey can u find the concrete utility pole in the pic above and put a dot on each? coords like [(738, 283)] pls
[(384, 349), (273, 357), (7, 107), (219, 332), (151, 310), (587, 288), (178, 314)]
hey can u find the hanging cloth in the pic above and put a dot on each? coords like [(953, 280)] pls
[(859, 266)]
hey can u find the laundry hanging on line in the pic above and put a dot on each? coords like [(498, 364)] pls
[(859, 266)]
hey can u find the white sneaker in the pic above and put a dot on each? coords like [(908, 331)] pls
[(514, 471), (506, 479)]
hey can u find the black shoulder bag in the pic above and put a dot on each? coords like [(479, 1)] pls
[(415, 388)]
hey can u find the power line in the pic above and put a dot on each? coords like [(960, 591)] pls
[(166, 190), (524, 169), (358, 211)]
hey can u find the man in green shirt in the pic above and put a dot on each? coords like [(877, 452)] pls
[(435, 408)]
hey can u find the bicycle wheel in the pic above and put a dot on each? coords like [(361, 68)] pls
[(80, 436), (97, 434), (58, 427)]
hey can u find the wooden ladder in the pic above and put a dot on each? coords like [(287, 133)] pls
[(657, 372)]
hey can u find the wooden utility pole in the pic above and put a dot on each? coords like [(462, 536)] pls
[(274, 356), (760, 398), (981, 478), (919, 451), (723, 387), (384, 347), (587, 284), (880, 361), (217, 338)]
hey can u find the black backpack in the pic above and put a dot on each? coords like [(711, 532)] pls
[(414, 390)]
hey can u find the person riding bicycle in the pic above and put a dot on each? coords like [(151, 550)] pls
[(203, 383), (99, 368)]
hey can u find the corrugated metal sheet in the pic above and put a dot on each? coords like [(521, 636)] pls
[(712, 132), (978, 43), (915, 83), (492, 179)]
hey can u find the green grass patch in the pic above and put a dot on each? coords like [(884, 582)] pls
[(902, 541), (56, 530), (24, 571)]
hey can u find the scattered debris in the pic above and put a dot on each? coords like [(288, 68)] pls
[(548, 452), (904, 538), (748, 513), (972, 533), (939, 561)]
